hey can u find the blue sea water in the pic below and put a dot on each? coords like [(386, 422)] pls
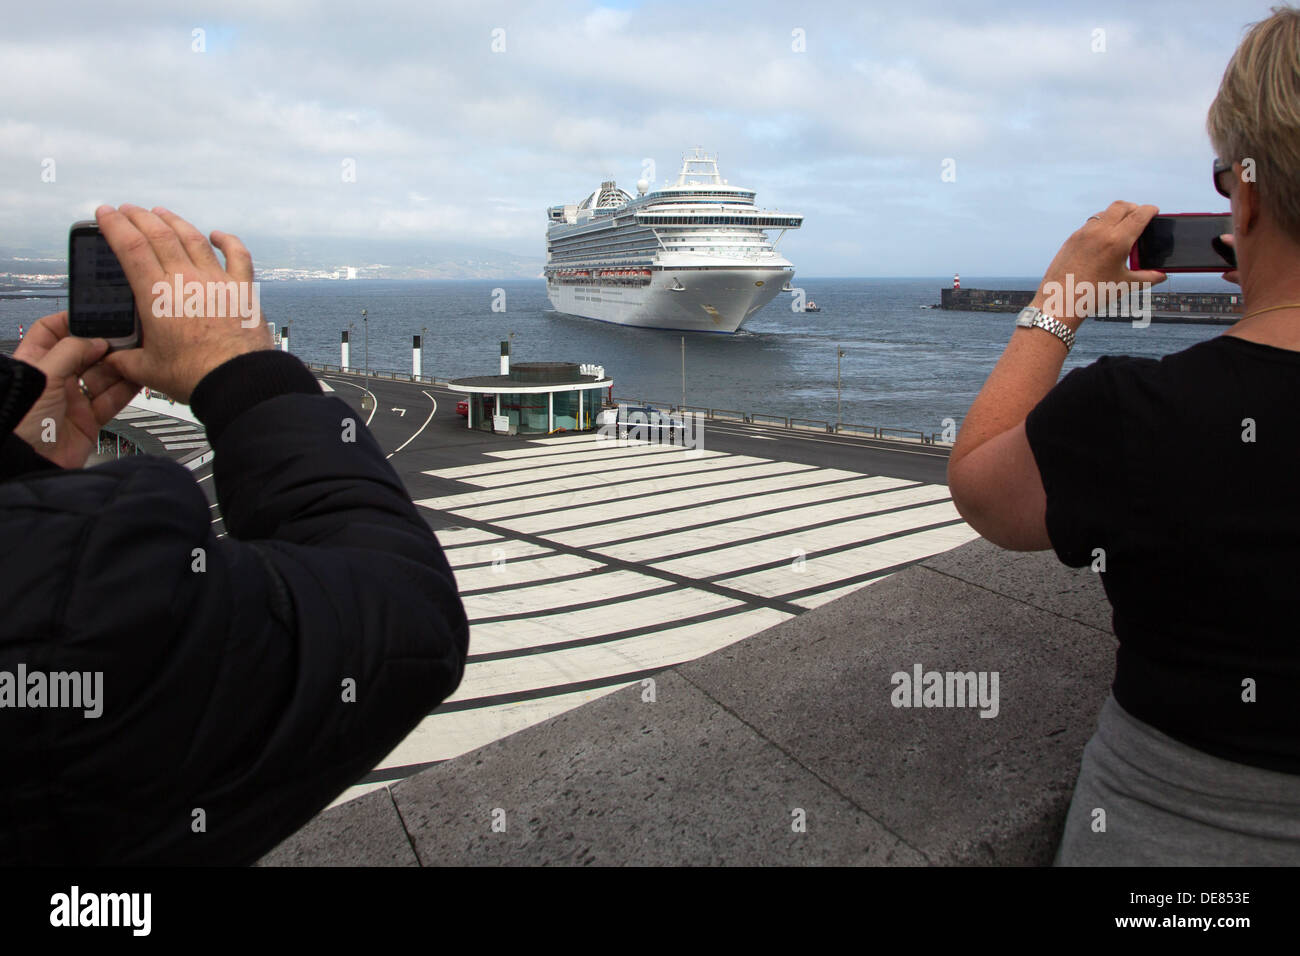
[(903, 366)]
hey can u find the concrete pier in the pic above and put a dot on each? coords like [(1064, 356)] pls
[(651, 680)]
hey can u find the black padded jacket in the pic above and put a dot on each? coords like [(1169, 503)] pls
[(245, 681)]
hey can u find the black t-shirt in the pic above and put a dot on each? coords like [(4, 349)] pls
[(1183, 474)]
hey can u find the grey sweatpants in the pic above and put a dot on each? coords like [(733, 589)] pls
[(1144, 799)]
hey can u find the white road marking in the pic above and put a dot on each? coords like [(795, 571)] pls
[(374, 403), (421, 428)]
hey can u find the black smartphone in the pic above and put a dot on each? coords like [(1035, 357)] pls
[(1185, 242), (100, 302)]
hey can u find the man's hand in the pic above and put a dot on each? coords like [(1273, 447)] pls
[(178, 349), (64, 424), (1097, 253)]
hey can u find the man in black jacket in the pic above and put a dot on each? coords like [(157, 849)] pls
[(242, 683)]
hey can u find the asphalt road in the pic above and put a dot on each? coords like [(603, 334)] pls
[(418, 427)]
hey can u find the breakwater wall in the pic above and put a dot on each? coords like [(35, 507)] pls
[(1205, 308)]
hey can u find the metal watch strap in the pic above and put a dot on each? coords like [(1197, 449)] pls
[(1055, 326)]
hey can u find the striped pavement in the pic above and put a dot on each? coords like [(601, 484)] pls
[(175, 434), (586, 566)]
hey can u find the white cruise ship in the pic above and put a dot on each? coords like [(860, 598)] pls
[(692, 256)]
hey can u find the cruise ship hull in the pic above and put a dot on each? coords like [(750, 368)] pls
[(716, 299)]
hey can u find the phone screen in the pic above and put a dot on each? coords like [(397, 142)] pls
[(1187, 243), (100, 302)]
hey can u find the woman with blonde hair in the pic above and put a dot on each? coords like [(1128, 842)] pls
[(1182, 473)]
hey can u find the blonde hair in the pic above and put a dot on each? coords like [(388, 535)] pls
[(1256, 114)]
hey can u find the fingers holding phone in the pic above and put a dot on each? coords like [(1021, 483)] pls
[(194, 313), (81, 394), (1230, 240), (1094, 257)]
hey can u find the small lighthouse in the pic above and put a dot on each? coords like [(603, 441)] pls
[(956, 281)]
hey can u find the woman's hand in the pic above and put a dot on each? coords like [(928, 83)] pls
[(1093, 257), (64, 424), (1230, 241)]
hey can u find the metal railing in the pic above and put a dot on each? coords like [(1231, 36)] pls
[(812, 424), (385, 373), (876, 432)]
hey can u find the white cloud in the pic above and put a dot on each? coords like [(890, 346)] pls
[(250, 135)]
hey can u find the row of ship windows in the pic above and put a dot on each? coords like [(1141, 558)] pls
[(620, 256), (768, 222), (693, 194), (605, 231), (586, 247), (645, 239)]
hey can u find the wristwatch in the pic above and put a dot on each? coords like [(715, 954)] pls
[(1035, 318)]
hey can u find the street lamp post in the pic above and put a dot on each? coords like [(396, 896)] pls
[(683, 375), (839, 354), (365, 323)]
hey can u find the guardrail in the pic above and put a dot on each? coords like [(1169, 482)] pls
[(385, 373), (877, 432), (813, 424)]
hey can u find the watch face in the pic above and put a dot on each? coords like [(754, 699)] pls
[(1027, 316)]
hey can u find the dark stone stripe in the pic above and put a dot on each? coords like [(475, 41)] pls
[(581, 605), (386, 774), (776, 534), (540, 693), (609, 638), (723, 479), (856, 579), (770, 565), (686, 490)]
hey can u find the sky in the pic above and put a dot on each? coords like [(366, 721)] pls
[(916, 138)]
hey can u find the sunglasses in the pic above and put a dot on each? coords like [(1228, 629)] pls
[(1220, 167)]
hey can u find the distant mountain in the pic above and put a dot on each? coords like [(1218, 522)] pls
[(391, 259), (371, 258), (27, 262)]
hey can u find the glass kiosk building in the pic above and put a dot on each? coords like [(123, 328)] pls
[(536, 398)]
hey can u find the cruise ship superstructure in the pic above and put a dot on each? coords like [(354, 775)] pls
[(694, 255)]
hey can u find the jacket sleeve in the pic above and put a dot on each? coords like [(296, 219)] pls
[(20, 385), (273, 668)]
